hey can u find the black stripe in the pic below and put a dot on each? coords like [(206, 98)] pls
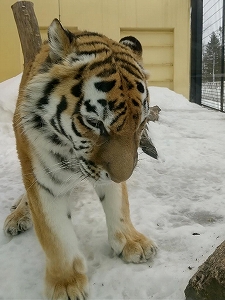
[(99, 125), (79, 118), (89, 107), (87, 33), (46, 65), (94, 42), (46, 188), (103, 102), (100, 63), (128, 83), (129, 70), (120, 127), (90, 164), (118, 116), (105, 86), (60, 159), (125, 53), (120, 106), (49, 88), (55, 139), (120, 45), (80, 72), (105, 113), (97, 51), (53, 123), (90, 169), (74, 59), (135, 102), (42, 102), (76, 90), (81, 147), (124, 63), (112, 104), (63, 162), (78, 106), (75, 130), (49, 173), (52, 177), (107, 72), (38, 122), (60, 108)]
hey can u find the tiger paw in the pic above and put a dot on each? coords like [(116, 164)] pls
[(71, 285), (133, 246), (16, 223)]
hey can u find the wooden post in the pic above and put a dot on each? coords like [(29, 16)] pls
[(28, 29)]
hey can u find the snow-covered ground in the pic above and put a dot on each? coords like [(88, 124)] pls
[(177, 200)]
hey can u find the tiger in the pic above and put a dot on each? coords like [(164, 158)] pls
[(82, 106)]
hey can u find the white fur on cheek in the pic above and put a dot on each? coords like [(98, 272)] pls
[(92, 94)]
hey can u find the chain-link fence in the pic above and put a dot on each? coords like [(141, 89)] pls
[(213, 54)]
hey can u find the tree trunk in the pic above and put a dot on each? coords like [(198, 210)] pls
[(208, 283), (28, 29)]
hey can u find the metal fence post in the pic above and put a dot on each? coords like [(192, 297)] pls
[(196, 50), (222, 59)]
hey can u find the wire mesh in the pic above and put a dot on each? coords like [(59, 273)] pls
[(212, 42)]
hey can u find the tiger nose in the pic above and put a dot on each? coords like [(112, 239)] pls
[(122, 171)]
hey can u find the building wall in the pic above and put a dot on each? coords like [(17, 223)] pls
[(163, 27)]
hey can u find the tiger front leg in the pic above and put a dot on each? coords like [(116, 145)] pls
[(124, 239), (65, 277)]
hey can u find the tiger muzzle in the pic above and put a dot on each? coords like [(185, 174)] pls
[(119, 158)]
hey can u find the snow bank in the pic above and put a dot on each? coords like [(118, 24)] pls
[(177, 200)]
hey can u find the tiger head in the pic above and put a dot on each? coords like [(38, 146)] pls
[(95, 98)]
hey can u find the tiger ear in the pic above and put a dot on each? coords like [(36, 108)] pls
[(59, 40), (133, 44)]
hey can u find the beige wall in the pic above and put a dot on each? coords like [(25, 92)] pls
[(163, 26), (10, 64)]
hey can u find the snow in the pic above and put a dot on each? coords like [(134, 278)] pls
[(177, 200)]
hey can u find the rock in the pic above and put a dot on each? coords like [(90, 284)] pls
[(208, 283), (146, 143), (154, 113)]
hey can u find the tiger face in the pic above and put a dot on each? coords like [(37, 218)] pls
[(89, 97)]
